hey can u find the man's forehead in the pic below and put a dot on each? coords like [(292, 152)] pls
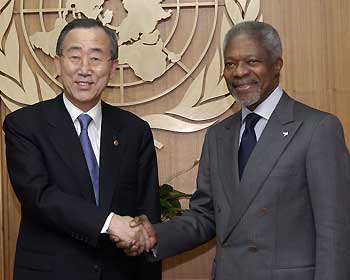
[(81, 33), (80, 38), (245, 43), (246, 37)]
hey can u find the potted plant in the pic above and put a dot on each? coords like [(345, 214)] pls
[(170, 205)]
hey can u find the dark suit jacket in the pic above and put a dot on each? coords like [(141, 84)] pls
[(289, 216), (59, 235)]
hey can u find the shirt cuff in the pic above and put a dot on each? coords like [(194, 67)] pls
[(107, 222), (154, 251)]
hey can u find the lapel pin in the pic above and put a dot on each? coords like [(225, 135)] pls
[(285, 133), (115, 142)]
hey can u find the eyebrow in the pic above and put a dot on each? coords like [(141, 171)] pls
[(96, 50), (77, 48), (74, 48)]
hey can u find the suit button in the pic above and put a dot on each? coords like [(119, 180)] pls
[(96, 268), (253, 249), (264, 211)]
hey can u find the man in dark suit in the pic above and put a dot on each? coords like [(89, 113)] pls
[(273, 183), (80, 168)]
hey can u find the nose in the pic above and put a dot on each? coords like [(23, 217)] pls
[(241, 70), (84, 68)]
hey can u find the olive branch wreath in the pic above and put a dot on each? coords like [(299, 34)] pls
[(19, 85)]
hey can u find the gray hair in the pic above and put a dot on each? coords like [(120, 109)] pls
[(262, 32), (87, 23)]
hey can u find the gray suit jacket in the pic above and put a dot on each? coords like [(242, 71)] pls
[(289, 216)]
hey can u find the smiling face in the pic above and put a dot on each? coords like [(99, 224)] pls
[(85, 66), (250, 74)]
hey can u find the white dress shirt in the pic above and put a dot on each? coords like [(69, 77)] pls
[(94, 129), (94, 132), (264, 110)]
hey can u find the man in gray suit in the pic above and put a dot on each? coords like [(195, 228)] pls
[(273, 183)]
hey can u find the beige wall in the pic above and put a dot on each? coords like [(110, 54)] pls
[(316, 40)]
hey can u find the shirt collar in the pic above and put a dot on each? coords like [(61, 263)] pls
[(95, 113), (266, 108)]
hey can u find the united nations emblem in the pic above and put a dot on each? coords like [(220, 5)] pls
[(156, 51), (149, 35)]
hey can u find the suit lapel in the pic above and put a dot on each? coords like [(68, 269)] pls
[(227, 146), (65, 141), (278, 132), (110, 153)]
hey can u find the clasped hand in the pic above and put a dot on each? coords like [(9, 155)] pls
[(133, 235)]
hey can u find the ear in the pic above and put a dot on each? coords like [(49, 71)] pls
[(114, 67), (57, 62), (277, 66)]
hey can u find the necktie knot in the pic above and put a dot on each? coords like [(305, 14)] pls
[(84, 120), (251, 120)]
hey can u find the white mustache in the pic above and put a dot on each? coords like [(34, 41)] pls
[(243, 82)]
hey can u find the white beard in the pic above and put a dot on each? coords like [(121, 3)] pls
[(254, 98)]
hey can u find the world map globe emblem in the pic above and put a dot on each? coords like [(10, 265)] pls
[(159, 42)]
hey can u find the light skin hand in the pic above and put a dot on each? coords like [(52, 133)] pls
[(134, 247), (120, 231), (149, 235)]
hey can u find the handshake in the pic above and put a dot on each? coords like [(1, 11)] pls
[(133, 235)]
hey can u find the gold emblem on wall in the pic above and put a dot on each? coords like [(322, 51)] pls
[(156, 51)]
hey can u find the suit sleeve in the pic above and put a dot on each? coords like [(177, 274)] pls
[(197, 225), (41, 199), (328, 173), (148, 202)]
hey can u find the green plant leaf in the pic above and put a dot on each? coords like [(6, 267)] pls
[(169, 201), (175, 204), (165, 203), (165, 189), (177, 194)]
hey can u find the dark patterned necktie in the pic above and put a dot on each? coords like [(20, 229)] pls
[(89, 154), (248, 141)]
